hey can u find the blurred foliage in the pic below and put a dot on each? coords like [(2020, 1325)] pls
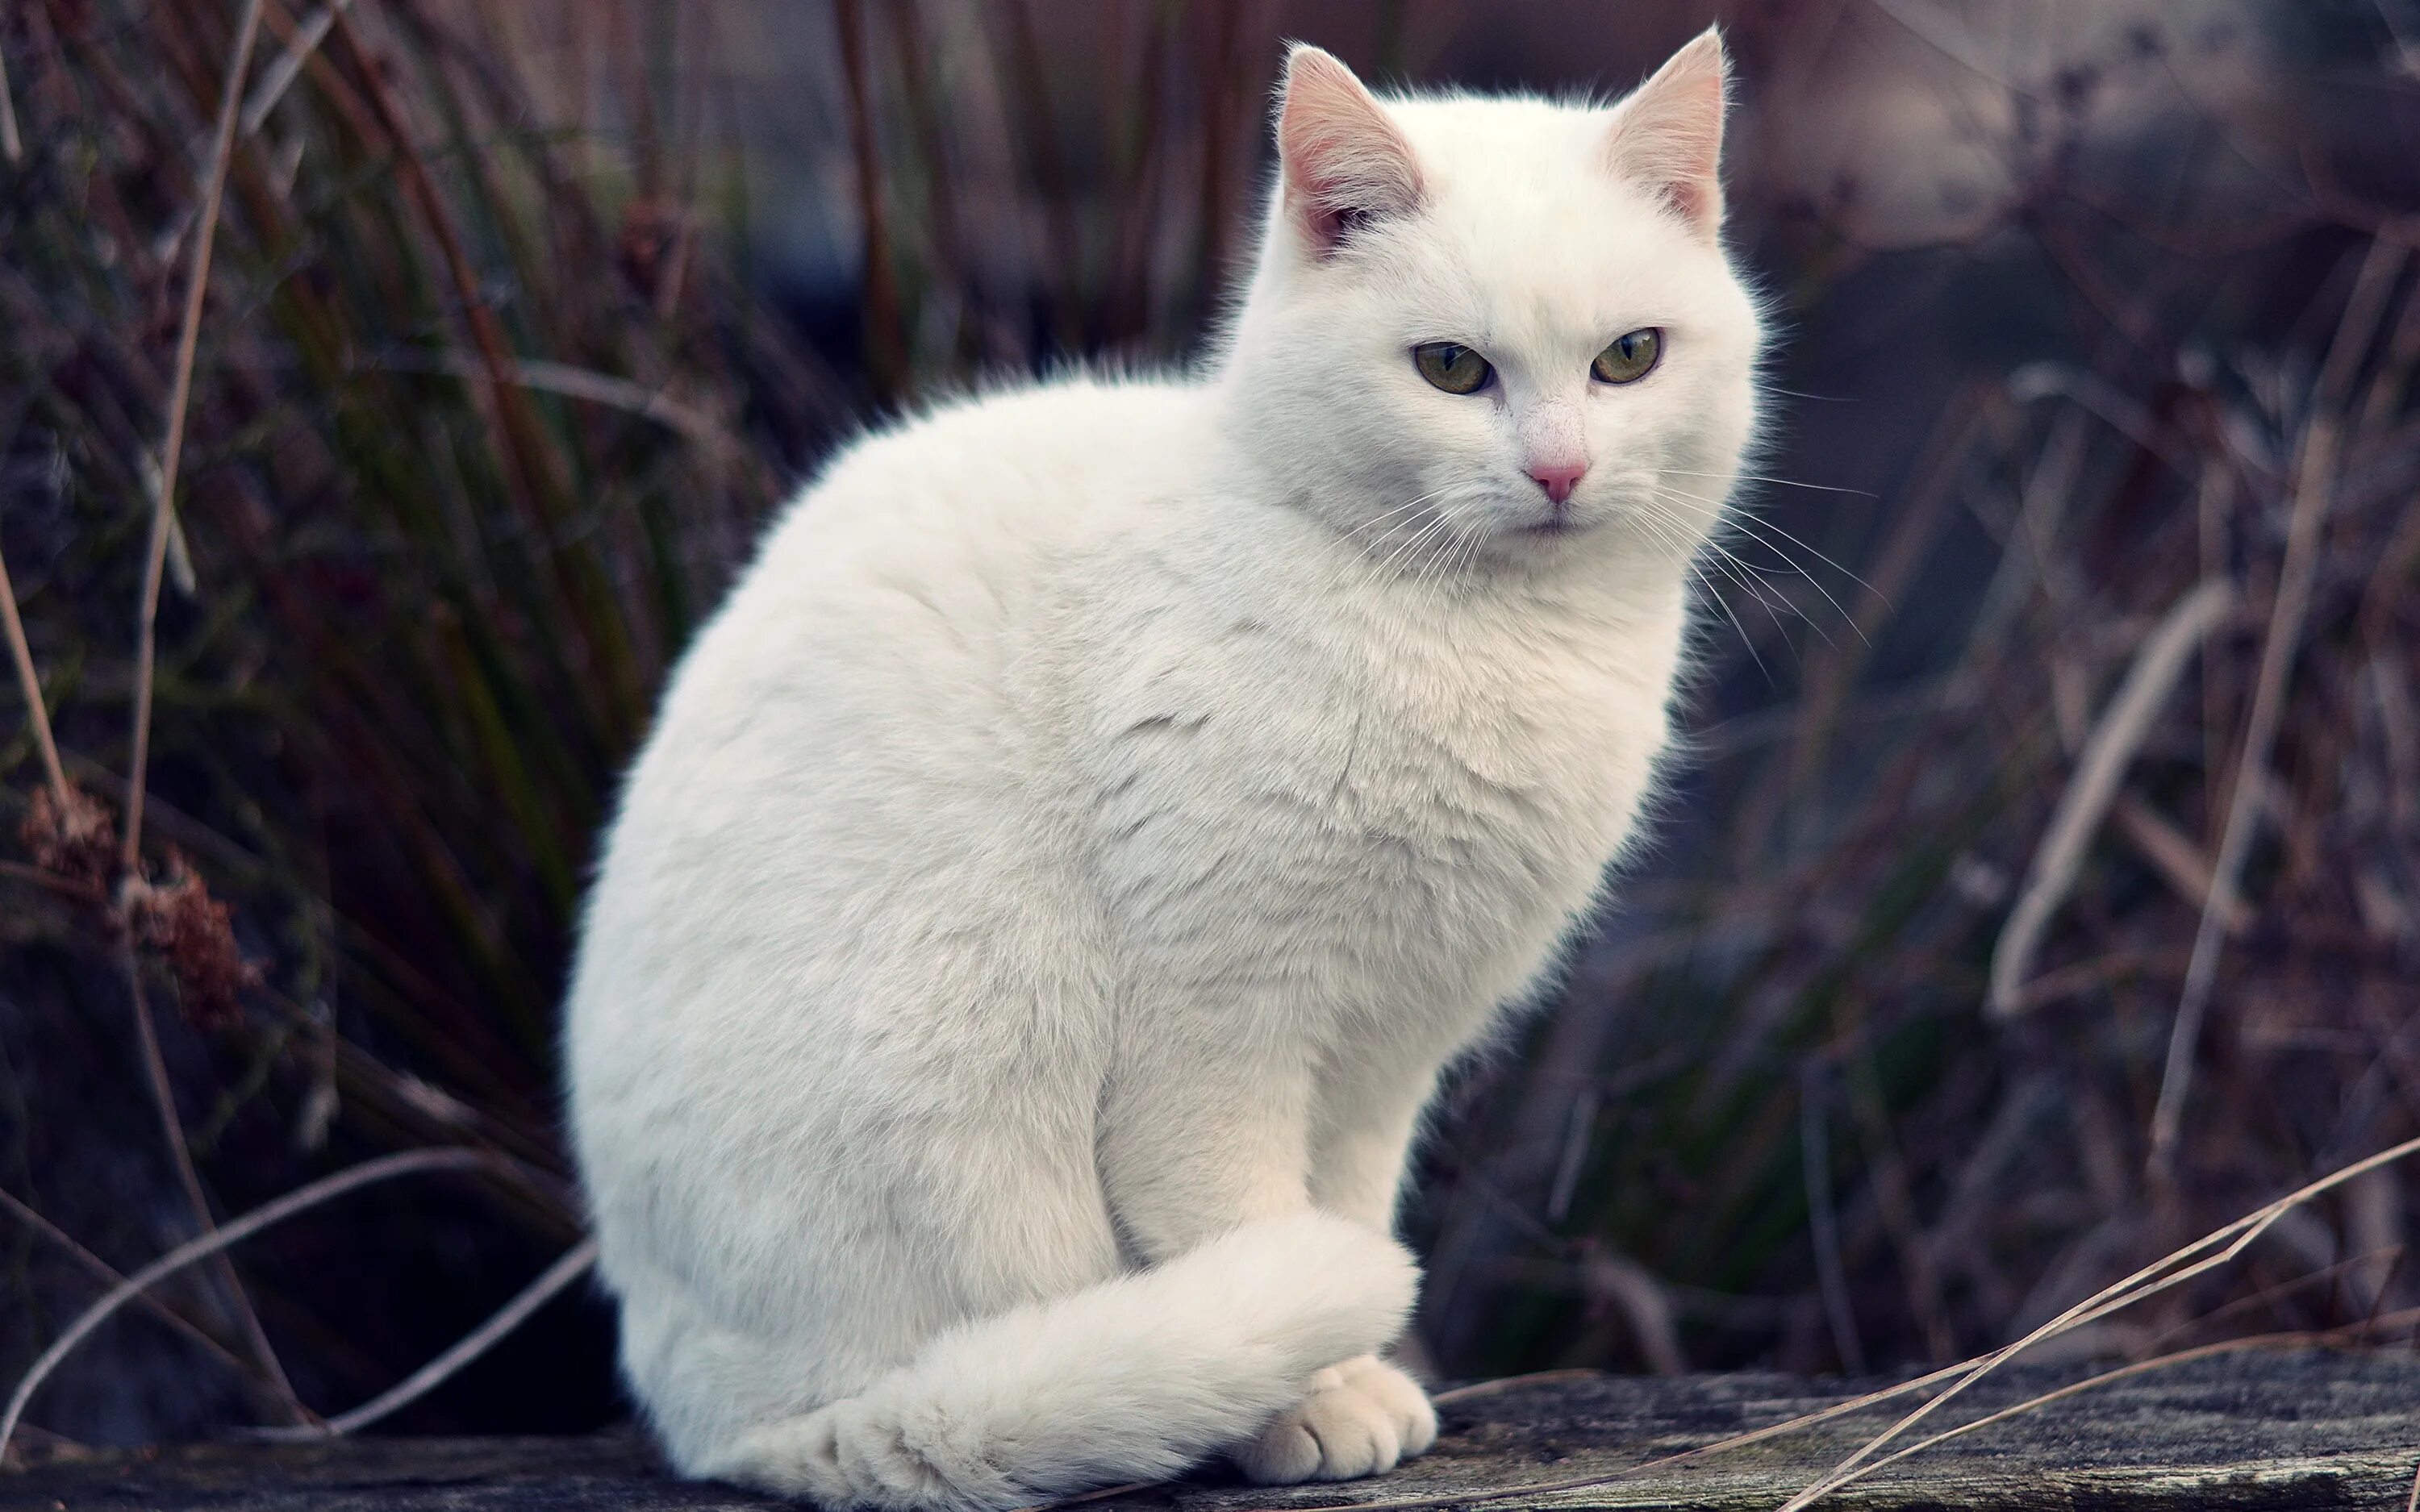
[(505, 358)]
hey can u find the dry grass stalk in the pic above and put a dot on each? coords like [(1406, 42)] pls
[(328, 1188), (2314, 487), (107, 1274), (2148, 1282), (38, 714), (2145, 1283), (2107, 1377), (886, 344), (2314, 480), (2120, 733), (574, 1263), (280, 75), (12, 146), (181, 394), (1503, 1383), (172, 1128)]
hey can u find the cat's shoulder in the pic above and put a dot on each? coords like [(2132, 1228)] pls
[(1069, 418), (1001, 472)]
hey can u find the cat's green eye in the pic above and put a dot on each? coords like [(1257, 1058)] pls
[(1452, 366), (1629, 358)]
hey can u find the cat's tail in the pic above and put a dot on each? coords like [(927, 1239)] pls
[(1131, 1379)]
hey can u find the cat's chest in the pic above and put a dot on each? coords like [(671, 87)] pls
[(1374, 805), (1515, 761)]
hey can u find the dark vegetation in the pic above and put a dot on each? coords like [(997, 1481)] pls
[(519, 317)]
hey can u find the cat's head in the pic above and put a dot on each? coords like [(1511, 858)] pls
[(1498, 328)]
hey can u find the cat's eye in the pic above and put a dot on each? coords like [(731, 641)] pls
[(1452, 366), (1629, 358)]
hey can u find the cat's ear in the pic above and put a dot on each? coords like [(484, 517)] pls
[(1668, 135), (1343, 159)]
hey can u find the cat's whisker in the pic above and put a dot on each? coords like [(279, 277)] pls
[(1750, 523), (1786, 483), (1409, 551), (1739, 570), (1736, 569), (1769, 598), (1748, 528), (1381, 518), (1748, 642)]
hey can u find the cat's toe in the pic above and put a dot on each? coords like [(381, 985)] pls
[(1400, 1396), (1338, 1432), (1282, 1454)]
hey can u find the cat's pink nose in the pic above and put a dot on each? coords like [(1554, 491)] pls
[(1559, 479)]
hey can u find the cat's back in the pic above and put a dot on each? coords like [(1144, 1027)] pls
[(858, 688), (918, 565)]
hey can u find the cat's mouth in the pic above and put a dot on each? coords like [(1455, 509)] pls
[(1555, 525)]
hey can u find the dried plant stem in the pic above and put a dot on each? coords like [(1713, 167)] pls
[(181, 394), (2120, 733), (692, 424), (2314, 482), (102, 1271), (1503, 1383), (1582, 1483), (575, 1263), (12, 147), (886, 346), (164, 1098), (280, 75), (2150, 1281), (37, 714), (2107, 1377), (303, 1198)]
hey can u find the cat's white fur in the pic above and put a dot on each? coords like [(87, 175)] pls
[(1060, 870)]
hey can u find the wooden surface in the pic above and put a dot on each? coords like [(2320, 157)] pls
[(2275, 1430)]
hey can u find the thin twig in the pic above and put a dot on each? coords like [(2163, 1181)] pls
[(2242, 1231), (2107, 1377), (575, 1263), (280, 75), (2148, 1281), (37, 714), (2314, 485), (180, 394), (2314, 482), (886, 346), (12, 147), (1823, 1221), (172, 1128), (309, 1196), (2120, 733), (1583, 1483), (107, 1274), (1504, 1383), (605, 389)]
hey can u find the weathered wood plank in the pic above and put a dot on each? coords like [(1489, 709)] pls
[(2278, 1432)]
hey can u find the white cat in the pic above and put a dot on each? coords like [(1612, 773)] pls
[(1060, 873)]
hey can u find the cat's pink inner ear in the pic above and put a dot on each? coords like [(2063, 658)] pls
[(1668, 135), (1344, 159)]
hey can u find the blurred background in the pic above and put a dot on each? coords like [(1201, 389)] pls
[(2043, 890)]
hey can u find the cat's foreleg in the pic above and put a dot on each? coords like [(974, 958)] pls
[(1200, 1139), (1366, 1120)]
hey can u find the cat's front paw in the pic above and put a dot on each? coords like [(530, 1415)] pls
[(1361, 1418)]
